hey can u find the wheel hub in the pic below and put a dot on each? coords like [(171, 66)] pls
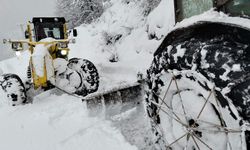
[(193, 125)]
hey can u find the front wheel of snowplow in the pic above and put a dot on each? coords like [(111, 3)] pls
[(14, 88), (186, 114), (88, 73)]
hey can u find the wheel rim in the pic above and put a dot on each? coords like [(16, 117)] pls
[(194, 119)]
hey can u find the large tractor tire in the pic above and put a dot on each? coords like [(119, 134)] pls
[(88, 73), (198, 93), (14, 88), (78, 76)]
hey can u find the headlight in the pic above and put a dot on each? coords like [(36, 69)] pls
[(63, 45), (64, 52), (5, 41), (17, 46), (18, 53)]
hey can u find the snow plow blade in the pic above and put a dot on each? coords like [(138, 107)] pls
[(116, 100)]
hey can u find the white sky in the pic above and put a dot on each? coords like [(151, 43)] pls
[(16, 12)]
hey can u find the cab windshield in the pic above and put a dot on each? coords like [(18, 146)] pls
[(52, 32), (44, 30), (239, 7)]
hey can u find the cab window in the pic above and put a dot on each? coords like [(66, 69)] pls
[(238, 7), (44, 30), (188, 8), (52, 32)]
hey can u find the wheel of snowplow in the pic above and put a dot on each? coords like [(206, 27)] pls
[(89, 74), (14, 89), (198, 83)]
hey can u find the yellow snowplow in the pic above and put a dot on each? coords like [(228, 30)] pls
[(47, 39)]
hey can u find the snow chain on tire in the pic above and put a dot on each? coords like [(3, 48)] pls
[(198, 89)]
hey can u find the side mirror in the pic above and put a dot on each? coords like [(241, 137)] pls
[(5, 41), (74, 32), (26, 34), (17, 46)]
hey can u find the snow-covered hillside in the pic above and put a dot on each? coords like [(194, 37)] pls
[(59, 121)]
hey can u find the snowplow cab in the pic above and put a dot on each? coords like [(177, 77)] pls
[(49, 27)]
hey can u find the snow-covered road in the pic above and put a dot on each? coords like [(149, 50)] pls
[(57, 122)]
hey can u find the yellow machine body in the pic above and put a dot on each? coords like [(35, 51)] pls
[(55, 47)]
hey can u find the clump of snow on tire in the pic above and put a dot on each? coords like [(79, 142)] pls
[(14, 89)]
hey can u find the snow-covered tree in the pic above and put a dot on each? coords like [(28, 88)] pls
[(78, 12)]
